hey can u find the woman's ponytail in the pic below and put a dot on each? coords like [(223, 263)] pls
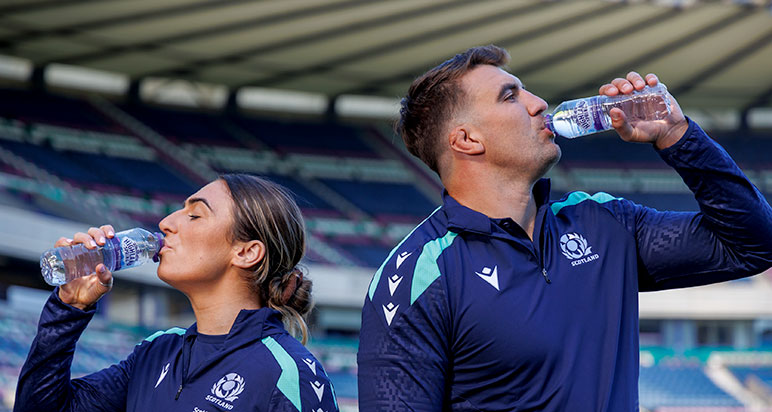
[(290, 294)]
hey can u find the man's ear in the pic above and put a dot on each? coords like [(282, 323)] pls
[(462, 139), (248, 254)]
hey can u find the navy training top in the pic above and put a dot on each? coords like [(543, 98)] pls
[(259, 367), (469, 314)]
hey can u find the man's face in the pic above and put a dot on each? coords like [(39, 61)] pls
[(508, 120)]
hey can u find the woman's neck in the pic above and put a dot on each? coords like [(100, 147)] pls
[(217, 308)]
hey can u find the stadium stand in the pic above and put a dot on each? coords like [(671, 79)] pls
[(352, 193), (680, 383), (329, 168)]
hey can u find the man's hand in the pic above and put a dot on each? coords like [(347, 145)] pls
[(662, 133), (85, 291)]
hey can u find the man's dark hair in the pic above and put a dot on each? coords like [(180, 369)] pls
[(434, 96)]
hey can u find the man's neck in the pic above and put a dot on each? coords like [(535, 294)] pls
[(512, 199)]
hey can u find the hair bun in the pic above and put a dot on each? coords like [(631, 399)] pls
[(295, 279)]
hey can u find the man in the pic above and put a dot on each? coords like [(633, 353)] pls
[(503, 301)]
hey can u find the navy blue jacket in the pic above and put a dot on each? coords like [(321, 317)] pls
[(469, 314), (260, 368)]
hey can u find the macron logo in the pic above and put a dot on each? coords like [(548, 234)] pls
[(318, 389), (401, 258), (490, 276), (311, 364), (394, 282), (164, 371), (389, 311)]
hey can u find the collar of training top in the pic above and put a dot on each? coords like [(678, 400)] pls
[(462, 218), (250, 325)]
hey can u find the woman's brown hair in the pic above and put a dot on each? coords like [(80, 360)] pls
[(266, 211)]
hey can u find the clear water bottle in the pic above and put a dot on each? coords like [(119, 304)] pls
[(126, 249), (589, 115)]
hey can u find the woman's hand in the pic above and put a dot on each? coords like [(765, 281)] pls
[(87, 290)]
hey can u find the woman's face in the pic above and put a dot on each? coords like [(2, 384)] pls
[(197, 248)]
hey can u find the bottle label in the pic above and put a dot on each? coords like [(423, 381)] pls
[(583, 115), (130, 252), (588, 115)]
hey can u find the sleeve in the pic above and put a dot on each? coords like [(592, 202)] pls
[(44, 381), (403, 345), (729, 238)]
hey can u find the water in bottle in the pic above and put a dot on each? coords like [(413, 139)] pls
[(581, 117), (126, 249)]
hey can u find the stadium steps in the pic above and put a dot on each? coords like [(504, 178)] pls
[(334, 199), (244, 137), (724, 379), (426, 181), (328, 252), (91, 204), (183, 159)]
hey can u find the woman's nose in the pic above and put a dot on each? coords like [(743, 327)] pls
[(166, 224)]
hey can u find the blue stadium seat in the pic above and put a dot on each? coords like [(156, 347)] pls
[(763, 374), (184, 126), (297, 136), (383, 198), (677, 384), (35, 107)]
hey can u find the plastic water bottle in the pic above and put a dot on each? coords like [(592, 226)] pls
[(589, 115), (126, 249)]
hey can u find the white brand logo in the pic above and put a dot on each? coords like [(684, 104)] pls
[(401, 258), (575, 247), (311, 364), (228, 389), (389, 311), (164, 371), (394, 282), (492, 278), (318, 389)]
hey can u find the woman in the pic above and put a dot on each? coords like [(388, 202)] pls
[(232, 250)]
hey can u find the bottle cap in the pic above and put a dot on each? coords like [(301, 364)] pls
[(160, 237)]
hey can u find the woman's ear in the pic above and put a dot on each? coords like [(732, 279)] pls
[(248, 254), (462, 139)]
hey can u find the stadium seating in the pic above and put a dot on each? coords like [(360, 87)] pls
[(680, 383), (37, 107), (336, 171), (754, 375), (308, 137), (184, 127)]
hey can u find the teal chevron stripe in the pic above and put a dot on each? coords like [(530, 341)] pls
[(289, 380), (578, 197), (177, 331), (426, 268), (377, 276)]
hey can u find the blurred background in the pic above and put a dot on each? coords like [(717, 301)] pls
[(115, 111)]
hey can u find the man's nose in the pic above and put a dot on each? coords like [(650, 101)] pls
[(536, 105)]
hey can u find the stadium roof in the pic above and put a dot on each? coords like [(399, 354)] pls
[(711, 54)]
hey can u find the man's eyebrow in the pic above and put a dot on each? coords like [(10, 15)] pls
[(195, 200), (515, 87)]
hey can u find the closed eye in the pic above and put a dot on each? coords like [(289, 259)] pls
[(193, 217)]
